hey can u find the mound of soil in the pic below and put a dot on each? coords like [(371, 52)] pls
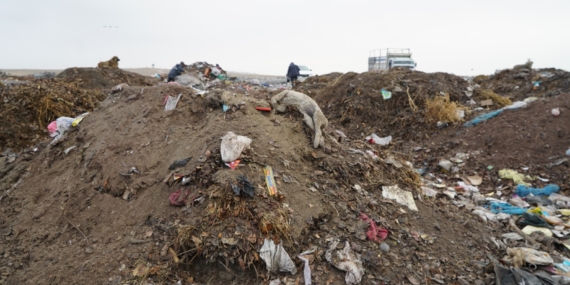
[(98, 78), (28, 108), (518, 84), (529, 137), (101, 210), (355, 101)]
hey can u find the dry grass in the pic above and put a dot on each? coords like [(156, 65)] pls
[(484, 94), (441, 109)]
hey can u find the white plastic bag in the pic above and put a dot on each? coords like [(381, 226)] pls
[(346, 260), (232, 146), (276, 258), (373, 138)]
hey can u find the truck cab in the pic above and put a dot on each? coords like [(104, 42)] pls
[(402, 62)]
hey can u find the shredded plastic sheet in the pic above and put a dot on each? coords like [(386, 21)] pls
[(374, 139), (171, 102), (276, 258), (346, 260), (401, 196)]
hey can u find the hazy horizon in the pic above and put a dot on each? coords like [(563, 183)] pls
[(261, 37)]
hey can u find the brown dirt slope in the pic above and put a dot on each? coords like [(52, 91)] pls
[(95, 214)]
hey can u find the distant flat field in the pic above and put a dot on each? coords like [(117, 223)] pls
[(143, 71)]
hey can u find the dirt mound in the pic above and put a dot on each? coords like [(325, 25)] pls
[(98, 78), (519, 83), (28, 108), (97, 204), (355, 101), (531, 136)]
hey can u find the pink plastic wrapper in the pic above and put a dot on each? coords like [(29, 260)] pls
[(52, 127)]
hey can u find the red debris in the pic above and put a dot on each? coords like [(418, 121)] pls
[(374, 232), (178, 197)]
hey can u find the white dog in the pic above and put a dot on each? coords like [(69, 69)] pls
[(312, 114)]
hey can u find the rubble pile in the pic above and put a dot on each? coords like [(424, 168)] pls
[(104, 78), (389, 103), (175, 184), (28, 108), (522, 82)]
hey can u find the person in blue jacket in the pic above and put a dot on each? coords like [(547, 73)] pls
[(175, 71)]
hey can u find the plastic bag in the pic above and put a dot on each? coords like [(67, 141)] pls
[(518, 178), (346, 260), (499, 207), (523, 190), (232, 146), (276, 258), (483, 118), (560, 200), (519, 255), (374, 139)]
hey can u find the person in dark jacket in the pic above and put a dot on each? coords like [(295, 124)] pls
[(293, 73), (175, 71)]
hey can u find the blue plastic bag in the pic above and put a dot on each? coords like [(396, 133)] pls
[(500, 207), (483, 118), (524, 191)]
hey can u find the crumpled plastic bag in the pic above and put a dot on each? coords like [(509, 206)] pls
[(520, 255), (403, 197), (374, 139), (514, 175), (232, 146), (346, 260), (276, 258)]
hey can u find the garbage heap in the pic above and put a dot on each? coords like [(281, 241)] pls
[(388, 103), (174, 184), (28, 108), (524, 81), (104, 78)]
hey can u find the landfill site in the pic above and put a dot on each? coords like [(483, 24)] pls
[(383, 177)]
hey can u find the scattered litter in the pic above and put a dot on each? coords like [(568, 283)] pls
[(178, 197), (529, 219), (466, 187), (275, 282), (306, 267), (265, 109), (568, 152), (483, 118), (521, 255), (120, 87), (564, 212), (401, 196), (445, 164), (234, 164), (519, 202), (346, 260), (374, 232), (171, 102), (270, 180), (512, 236), (67, 150), (542, 179), (225, 108), (276, 258), (515, 176), (488, 102), (243, 186), (386, 94), (501, 207), (179, 163), (232, 146), (475, 180), (429, 191), (524, 191), (374, 139), (555, 112)]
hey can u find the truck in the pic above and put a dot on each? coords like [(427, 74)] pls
[(384, 59)]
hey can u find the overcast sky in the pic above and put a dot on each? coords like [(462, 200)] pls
[(264, 36)]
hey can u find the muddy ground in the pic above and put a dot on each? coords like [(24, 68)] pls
[(94, 208)]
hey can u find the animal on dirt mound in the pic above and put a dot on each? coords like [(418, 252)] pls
[(112, 63), (312, 114)]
